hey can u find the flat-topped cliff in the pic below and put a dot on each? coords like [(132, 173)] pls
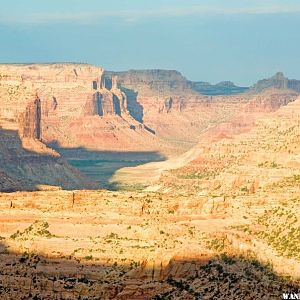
[(46, 102), (278, 81), (162, 82)]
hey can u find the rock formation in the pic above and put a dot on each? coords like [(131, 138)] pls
[(27, 164), (42, 104), (77, 105), (30, 120), (169, 101), (106, 101), (69, 100), (161, 82)]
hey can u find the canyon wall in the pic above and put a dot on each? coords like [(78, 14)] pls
[(83, 106), (28, 164), (78, 105), (176, 110), (68, 105), (221, 88)]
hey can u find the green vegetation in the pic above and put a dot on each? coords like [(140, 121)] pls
[(281, 230), (195, 174), (268, 164), (38, 228), (112, 235), (296, 178), (88, 257), (216, 244)]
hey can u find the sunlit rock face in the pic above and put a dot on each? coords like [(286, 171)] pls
[(177, 111), (75, 105), (67, 104), (70, 105)]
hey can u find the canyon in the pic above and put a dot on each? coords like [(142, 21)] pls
[(51, 113), (144, 185)]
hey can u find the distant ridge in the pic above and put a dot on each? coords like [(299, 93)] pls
[(172, 80), (46, 63), (278, 81), (221, 88)]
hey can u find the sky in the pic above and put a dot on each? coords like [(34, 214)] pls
[(206, 40)]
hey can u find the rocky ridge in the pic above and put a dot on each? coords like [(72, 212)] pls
[(221, 88), (48, 101)]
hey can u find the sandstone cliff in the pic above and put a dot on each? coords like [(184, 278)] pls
[(78, 105), (65, 104), (61, 103), (172, 106)]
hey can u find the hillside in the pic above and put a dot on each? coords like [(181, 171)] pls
[(252, 107), (253, 176), (224, 223), (265, 150)]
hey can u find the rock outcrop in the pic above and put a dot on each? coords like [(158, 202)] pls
[(65, 104), (161, 82), (106, 101), (30, 120), (270, 100), (165, 102)]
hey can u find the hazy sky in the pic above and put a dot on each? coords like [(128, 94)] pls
[(210, 40)]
